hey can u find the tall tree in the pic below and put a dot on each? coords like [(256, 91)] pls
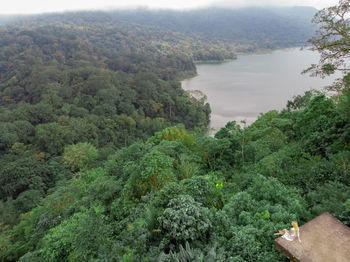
[(332, 41)]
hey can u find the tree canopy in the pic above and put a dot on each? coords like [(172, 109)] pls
[(332, 41), (179, 195)]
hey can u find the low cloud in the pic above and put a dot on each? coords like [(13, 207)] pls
[(245, 3)]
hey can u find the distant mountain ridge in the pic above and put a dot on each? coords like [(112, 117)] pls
[(6, 19), (249, 28)]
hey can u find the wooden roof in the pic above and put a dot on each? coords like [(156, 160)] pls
[(323, 239)]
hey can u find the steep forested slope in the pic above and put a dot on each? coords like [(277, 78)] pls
[(64, 84), (180, 197)]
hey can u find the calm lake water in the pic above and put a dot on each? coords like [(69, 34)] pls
[(254, 84)]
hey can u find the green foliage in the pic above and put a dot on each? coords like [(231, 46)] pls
[(301, 101), (235, 189), (61, 86), (331, 197), (83, 236), (188, 254), (52, 137), (345, 101), (22, 174), (173, 134), (185, 220), (316, 127), (79, 156), (204, 189), (154, 170), (331, 41), (251, 217), (151, 198)]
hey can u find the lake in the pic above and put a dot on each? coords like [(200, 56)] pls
[(253, 84)]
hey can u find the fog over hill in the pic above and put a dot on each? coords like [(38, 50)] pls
[(319, 4), (248, 28), (41, 6)]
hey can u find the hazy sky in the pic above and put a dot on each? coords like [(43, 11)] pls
[(40, 6)]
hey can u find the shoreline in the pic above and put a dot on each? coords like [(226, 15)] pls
[(269, 51), (200, 62), (257, 52), (293, 87)]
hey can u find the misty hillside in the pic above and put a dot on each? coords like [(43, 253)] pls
[(6, 19), (256, 27), (247, 29)]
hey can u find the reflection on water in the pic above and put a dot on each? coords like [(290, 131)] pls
[(254, 84)]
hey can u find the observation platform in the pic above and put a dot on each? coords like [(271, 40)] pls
[(323, 239)]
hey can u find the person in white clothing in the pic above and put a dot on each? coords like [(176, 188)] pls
[(291, 234)]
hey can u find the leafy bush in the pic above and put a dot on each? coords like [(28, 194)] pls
[(185, 220), (79, 156)]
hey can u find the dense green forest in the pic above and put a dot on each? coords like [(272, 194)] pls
[(107, 85), (184, 197), (104, 157)]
